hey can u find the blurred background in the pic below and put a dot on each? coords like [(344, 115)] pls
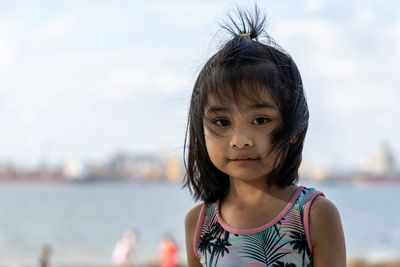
[(93, 105)]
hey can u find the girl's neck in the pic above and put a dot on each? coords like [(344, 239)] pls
[(252, 192)]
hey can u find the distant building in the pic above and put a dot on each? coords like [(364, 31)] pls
[(381, 163), (8, 171), (73, 169), (121, 167), (320, 174), (147, 167), (173, 170), (307, 172)]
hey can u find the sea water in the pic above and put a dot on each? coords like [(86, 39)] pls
[(82, 222)]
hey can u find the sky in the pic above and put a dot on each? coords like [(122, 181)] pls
[(88, 79)]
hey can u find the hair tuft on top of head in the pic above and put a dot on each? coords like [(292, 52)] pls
[(244, 23), (249, 24)]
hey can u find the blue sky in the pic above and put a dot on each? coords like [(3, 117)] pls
[(86, 79)]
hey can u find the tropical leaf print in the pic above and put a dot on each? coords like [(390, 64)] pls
[(299, 243), (293, 224), (208, 218), (214, 240), (264, 246), (220, 247), (216, 230), (205, 244), (302, 201), (207, 234), (292, 220)]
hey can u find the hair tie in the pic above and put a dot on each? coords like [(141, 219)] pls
[(245, 35)]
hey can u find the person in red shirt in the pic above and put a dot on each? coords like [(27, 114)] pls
[(168, 252)]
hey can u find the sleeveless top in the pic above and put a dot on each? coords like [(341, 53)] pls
[(285, 241)]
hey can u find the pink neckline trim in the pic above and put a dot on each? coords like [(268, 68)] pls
[(262, 227)]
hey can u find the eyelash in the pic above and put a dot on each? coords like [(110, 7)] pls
[(218, 121), (266, 120)]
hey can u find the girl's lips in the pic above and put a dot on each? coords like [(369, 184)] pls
[(244, 160)]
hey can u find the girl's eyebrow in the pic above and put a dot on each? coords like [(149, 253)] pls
[(262, 105), (212, 109)]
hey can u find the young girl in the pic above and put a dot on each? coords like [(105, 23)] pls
[(247, 122)]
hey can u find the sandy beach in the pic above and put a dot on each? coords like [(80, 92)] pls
[(360, 263)]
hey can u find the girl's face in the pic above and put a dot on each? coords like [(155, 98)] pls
[(238, 136)]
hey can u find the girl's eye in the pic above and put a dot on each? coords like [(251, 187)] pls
[(222, 122), (260, 121)]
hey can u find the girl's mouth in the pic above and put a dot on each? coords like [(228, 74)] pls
[(244, 160)]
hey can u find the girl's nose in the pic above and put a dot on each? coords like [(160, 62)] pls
[(241, 139)]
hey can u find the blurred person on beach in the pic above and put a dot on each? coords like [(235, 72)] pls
[(44, 258), (123, 253), (168, 251), (247, 122)]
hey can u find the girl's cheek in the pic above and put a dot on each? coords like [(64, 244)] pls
[(215, 140), (219, 134)]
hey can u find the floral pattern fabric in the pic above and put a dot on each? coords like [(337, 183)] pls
[(281, 244)]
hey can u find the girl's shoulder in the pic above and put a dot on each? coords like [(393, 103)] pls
[(322, 213), (193, 214), (319, 206), (325, 215), (191, 220)]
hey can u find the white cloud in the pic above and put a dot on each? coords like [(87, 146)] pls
[(124, 83), (171, 82), (8, 50), (360, 97), (58, 29), (126, 78), (314, 5), (317, 32), (327, 54), (332, 67), (365, 15), (396, 33), (186, 13)]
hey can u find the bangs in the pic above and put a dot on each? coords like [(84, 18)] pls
[(240, 83)]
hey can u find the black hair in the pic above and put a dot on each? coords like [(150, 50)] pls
[(262, 67)]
